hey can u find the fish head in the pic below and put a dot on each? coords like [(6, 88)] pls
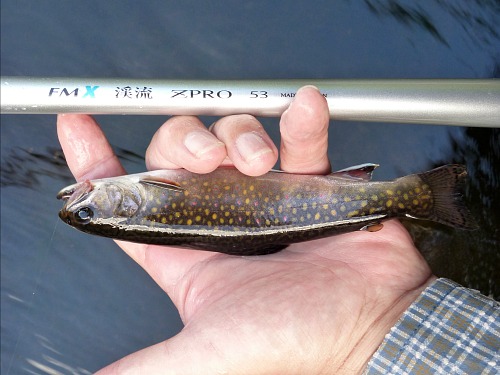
[(91, 203)]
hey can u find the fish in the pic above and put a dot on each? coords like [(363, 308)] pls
[(228, 212)]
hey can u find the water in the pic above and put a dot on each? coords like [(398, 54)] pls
[(72, 303)]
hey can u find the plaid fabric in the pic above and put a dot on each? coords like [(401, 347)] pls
[(449, 329)]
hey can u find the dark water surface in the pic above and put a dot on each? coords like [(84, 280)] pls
[(72, 303)]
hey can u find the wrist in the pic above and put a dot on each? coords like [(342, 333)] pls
[(378, 322)]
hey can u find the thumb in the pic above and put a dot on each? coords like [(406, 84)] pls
[(304, 133), (174, 356), (196, 350)]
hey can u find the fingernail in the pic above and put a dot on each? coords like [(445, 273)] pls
[(307, 87), (199, 143), (293, 102), (251, 146), (304, 105)]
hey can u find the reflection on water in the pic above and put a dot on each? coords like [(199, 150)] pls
[(410, 14), (479, 22), (471, 258), (52, 365), (24, 167), (55, 367)]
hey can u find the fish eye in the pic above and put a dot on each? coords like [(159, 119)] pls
[(83, 215)]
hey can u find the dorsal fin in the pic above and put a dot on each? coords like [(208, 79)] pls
[(164, 184), (357, 172)]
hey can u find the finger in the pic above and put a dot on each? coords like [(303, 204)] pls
[(184, 142), (247, 143), (304, 133), (88, 153)]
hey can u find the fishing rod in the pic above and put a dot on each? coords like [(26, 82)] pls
[(462, 102)]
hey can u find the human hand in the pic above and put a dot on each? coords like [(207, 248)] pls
[(322, 306)]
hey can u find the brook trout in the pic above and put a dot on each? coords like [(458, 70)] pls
[(232, 213)]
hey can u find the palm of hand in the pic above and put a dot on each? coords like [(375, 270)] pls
[(303, 310), (317, 307), (276, 307)]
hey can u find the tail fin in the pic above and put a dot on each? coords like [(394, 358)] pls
[(447, 185)]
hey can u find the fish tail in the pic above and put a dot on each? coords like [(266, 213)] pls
[(447, 186)]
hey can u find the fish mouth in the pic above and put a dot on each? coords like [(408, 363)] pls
[(65, 216), (74, 192)]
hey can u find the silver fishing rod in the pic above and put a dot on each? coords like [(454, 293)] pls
[(463, 102)]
